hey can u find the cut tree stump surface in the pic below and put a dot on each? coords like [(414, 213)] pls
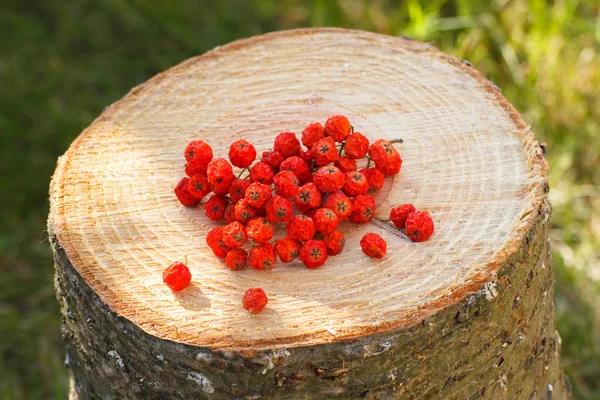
[(469, 159)]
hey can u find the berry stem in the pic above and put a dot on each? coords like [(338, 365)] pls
[(342, 147), (397, 141), (241, 172), (368, 161)]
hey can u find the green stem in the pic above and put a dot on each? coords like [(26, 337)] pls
[(342, 147), (368, 161), (241, 172)]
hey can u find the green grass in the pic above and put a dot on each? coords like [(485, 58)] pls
[(62, 62)]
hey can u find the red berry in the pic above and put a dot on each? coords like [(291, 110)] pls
[(301, 228), (234, 235), (214, 239), (329, 179), (287, 249), (254, 300), (383, 152), (324, 151), (326, 221), (230, 213), (373, 245), (242, 153), (244, 212), (237, 190), (261, 172), (183, 195), (392, 167), (286, 184), (260, 230), (313, 253), (177, 276), (357, 145), (307, 156), (340, 204), (312, 133), (258, 194), (375, 179), (219, 172), (308, 197), (223, 188), (287, 144), (273, 158), (262, 257), (338, 128), (356, 184), (236, 259), (346, 164), (198, 153), (399, 214), (215, 207), (363, 209), (334, 242), (198, 186), (279, 209), (193, 169), (419, 226), (298, 167)]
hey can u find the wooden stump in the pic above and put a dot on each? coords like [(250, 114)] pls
[(465, 315)]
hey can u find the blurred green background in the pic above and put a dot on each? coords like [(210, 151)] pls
[(62, 62)]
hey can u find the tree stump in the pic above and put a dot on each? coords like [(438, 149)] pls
[(465, 315)]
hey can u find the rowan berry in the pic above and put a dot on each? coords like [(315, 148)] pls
[(287, 249), (338, 128), (340, 204), (313, 253), (308, 197), (363, 209), (298, 167), (242, 153), (215, 207), (375, 179), (254, 300), (234, 235), (287, 144), (214, 239), (301, 228), (183, 194), (229, 213), (198, 186), (261, 172), (177, 276), (324, 151), (286, 184), (329, 179), (244, 212), (307, 156), (237, 190), (334, 242), (399, 214), (346, 164), (236, 259), (312, 133), (260, 230), (279, 209), (273, 158), (356, 184), (419, 226), (193, 169), (258, 194), (392, 167), (373, 245), (198, 153), (383, 152), (262, 257), (325, 220), (357, 145), (223, 188)]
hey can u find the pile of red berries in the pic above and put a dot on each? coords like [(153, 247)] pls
[(306, 190)]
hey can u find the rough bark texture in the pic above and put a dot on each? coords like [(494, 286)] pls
[(499, 343)]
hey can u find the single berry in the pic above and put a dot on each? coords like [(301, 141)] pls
[(312, 133), (346, 164), (373, 245), (254, 300), (223, 188), (193, 169), (260, 230), (329, 179), (301, 228), (198, 153), (357, 145), (230, 213), (244, 212), (215, 207), (236, 259), (219, 172), (262, 257), (183, 195), (242, 153), (234, 235), (340, 204), (279, 209), (356, 184), (313, 253), (325, 220), (177, 276), (375, 179), (419, 226), (214, 239), (258, 194), (298, 167), (286, 184), (383, 152), (363, 209), (392, 167), (334, 242), (307, 156), (324, 151), (198, 186), (308, 197), (287, 249), (287, 144), (338, 128), (399, 214), (273, 158), (237, 190), (261, 172)]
